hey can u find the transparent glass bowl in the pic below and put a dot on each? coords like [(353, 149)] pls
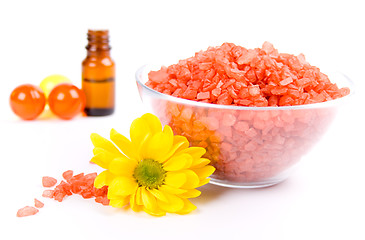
[(250, 147)]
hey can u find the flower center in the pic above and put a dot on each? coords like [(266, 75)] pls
[(149, 173)]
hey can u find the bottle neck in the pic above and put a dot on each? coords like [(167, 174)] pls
[(98, 53), (98, 43)]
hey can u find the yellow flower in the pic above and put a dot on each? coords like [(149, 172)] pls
[(155, 171)]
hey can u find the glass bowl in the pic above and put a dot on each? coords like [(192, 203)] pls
[(250, 147)]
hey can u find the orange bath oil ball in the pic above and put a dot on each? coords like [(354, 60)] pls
[(27, 101), (66, 101)]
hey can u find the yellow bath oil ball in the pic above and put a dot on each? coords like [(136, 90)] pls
[(51, 81)]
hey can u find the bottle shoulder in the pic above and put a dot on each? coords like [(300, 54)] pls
[(98, 61)]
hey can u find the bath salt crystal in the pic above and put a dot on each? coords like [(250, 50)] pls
[(241, 126), (48, 181), (228, 120), (37, 203), (67, 175), (254, 90), (48, 193), (216, 92), (286, 81), (203, 95), (27, 211)]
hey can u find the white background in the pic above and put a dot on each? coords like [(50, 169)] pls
[(323, 198)]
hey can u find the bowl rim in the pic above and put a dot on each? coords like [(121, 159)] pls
[(139, 73)]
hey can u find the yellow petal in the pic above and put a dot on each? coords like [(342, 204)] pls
[(123, 144), (134, 206), (103, 157), (168, 131), (175, 179), (158, 194), (111, 195), (99, 141), (157, 147), (156, 212), (139, 131), (149, 201), (182, 143), (192, 179), (179, 143), (172, 190), (119, 202), (200, 162), (178, 162), (102, 179), (195, 152), (204, 172), (122, 166), (203, 182), (101, 160), (139, 196), (153, 122), (191, 193), (122, 186), (110, 155), (174, 203), (188, 207)]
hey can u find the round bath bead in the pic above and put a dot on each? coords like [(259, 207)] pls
[(66, 101), (27, 101)]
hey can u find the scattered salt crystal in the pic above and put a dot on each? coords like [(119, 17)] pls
[(26, 211), (48, 193), (37, 203), (48, 181), (67, 175), (78, 184)]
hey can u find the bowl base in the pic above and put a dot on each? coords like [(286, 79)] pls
[(230, 184), (216, 180)]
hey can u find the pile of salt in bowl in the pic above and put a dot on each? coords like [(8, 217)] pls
[(246, 146), (234, 75)]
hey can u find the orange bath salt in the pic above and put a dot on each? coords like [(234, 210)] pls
[(233, 75), (67, 175), (27, 211), (48, 193), (37, 203), (48, 181), (228, 120), (82, 184), (246, 145), (79, 184)]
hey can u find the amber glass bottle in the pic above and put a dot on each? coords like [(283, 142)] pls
[(98, 75)]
